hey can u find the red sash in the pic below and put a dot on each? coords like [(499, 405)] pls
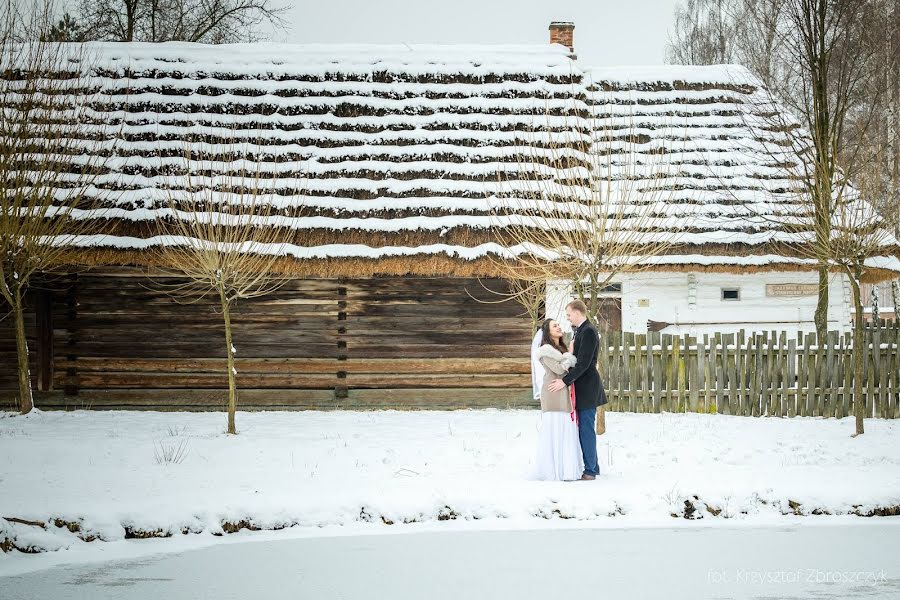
[(574, 413)]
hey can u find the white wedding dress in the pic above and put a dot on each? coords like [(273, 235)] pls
[(559, 450), (559, 455)]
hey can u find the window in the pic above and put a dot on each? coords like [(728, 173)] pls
[(731, 293)]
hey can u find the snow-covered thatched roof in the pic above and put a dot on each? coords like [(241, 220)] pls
[(385, 159), (729, 166)]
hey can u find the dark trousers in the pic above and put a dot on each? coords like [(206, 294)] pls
[(588, 438)]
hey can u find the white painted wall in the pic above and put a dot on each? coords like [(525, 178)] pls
[(558, 295), (666, 296)]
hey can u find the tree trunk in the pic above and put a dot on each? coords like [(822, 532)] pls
[(232, 388), (859, 350), (26, 400), (130, 19), (821, 314)]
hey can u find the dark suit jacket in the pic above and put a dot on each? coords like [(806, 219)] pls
[(589, 392)]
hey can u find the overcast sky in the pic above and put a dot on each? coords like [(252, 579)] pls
[(607, 32)]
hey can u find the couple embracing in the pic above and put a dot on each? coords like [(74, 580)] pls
[(571, 391)]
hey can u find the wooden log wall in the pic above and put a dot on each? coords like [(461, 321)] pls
[(9, 384), (39, 318), (119, 341)]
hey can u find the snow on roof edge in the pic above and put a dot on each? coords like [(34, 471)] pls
[(691, 74)]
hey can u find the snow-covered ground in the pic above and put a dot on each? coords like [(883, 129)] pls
[(108, 472)]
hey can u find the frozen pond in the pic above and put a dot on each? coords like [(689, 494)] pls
[(791, 561)]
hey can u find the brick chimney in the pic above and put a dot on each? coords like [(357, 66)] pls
[(562, 32)]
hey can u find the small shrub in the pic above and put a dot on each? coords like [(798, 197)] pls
[(175, 431), (170, 453)]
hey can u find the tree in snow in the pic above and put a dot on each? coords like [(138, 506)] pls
[(834, 65), (703, 34), (46, 161), (855, 235), (223, 235), (206, 21), (586, 203)]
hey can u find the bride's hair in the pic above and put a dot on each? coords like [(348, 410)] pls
[(547, 338)]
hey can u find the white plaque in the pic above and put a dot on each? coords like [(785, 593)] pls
[(792, 289)]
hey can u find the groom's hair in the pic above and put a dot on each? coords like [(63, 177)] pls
[(577, 305)]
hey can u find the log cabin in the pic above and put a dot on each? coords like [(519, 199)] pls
[(385, 159)]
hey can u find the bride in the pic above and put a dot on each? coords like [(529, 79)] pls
[(559, 451)]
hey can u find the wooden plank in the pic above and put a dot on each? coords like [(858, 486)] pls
[(778, 368), (720, 374), (875, 382), (893, 371), (819, 383), (670, 373), (116, 380), (168, 400), (681, 372), (847, 375), (787, 382), (702, 376), (645, 372), (745, 347), (611, 366), (441, 399), (44, 343), (714, 374), (756, 387), (708, 373), (436, 351), (729, 363), (628, 370), (829, 377), (461, 366), (872, 397), (207, 335), (428, 380), (290, 399), (892, 361), (693, 375), (805, 374), (771, 373), (658, 359), (111, 349)]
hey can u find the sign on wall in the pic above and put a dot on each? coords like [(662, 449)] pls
[(792, 289)]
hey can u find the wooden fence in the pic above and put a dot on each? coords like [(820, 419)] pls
[(751, 374)]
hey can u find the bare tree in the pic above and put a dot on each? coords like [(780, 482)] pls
[(208, 21), (224, 239), (760, 35), (46, 161), (586, 206), (854, 236), (703, 33), (833, 64)]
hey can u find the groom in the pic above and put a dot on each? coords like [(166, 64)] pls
[(589, 393)]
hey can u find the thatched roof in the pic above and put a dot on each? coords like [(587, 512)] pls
[(386, 157), (730, 164)]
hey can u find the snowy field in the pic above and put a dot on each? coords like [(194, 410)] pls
[(112, 475)]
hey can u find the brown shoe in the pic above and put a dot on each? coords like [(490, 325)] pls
[(587, 477)]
